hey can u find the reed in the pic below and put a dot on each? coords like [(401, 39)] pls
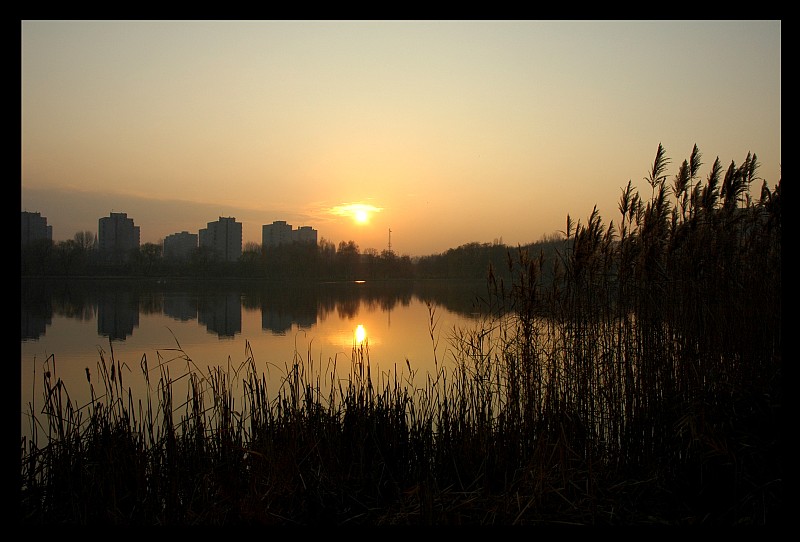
[(635, 379)]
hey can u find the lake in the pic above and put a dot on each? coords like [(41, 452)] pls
[(69, 326)]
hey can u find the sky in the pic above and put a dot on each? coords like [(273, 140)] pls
[(424, 134)]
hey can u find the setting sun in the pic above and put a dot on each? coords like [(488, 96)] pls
[(360, 212)]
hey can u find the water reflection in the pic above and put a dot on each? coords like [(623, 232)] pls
[(117, 313), (360, 335), (217, 305), (82, 324), (221, 313)]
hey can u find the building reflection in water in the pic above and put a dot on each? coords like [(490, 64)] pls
[(117, 314), (221, 313), (34, 323), (117, 304), (180, 307)]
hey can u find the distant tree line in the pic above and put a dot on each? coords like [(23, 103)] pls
[(80, 257)]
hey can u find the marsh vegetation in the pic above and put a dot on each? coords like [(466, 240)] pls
[(633, 379)]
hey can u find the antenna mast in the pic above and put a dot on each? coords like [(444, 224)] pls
[(390, 239)]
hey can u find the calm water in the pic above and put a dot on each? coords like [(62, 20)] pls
[(69, 326)]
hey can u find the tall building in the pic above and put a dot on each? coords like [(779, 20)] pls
[(33, 227), (281, 233), (277, 233), (224, 238), (117, 236), (305, 234), (179, 246)]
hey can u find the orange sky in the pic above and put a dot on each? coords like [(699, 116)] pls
[(449, 131)]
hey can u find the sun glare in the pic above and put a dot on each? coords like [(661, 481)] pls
[(361, 216), (359, 212), (360, 334)]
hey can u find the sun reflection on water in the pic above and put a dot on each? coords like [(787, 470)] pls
[(360, 335)]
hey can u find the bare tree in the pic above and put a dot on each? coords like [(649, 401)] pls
[(85, 240)]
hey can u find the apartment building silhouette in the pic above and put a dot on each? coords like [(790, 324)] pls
[(117, 236), (34, 227), (224, 238), (281, 233), (179, 246)]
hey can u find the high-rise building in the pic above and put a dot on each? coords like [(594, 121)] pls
[(33, 227), (305, 234), (277, 233), (281, 233), (117, 236), (179, 246), (224, 238)]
